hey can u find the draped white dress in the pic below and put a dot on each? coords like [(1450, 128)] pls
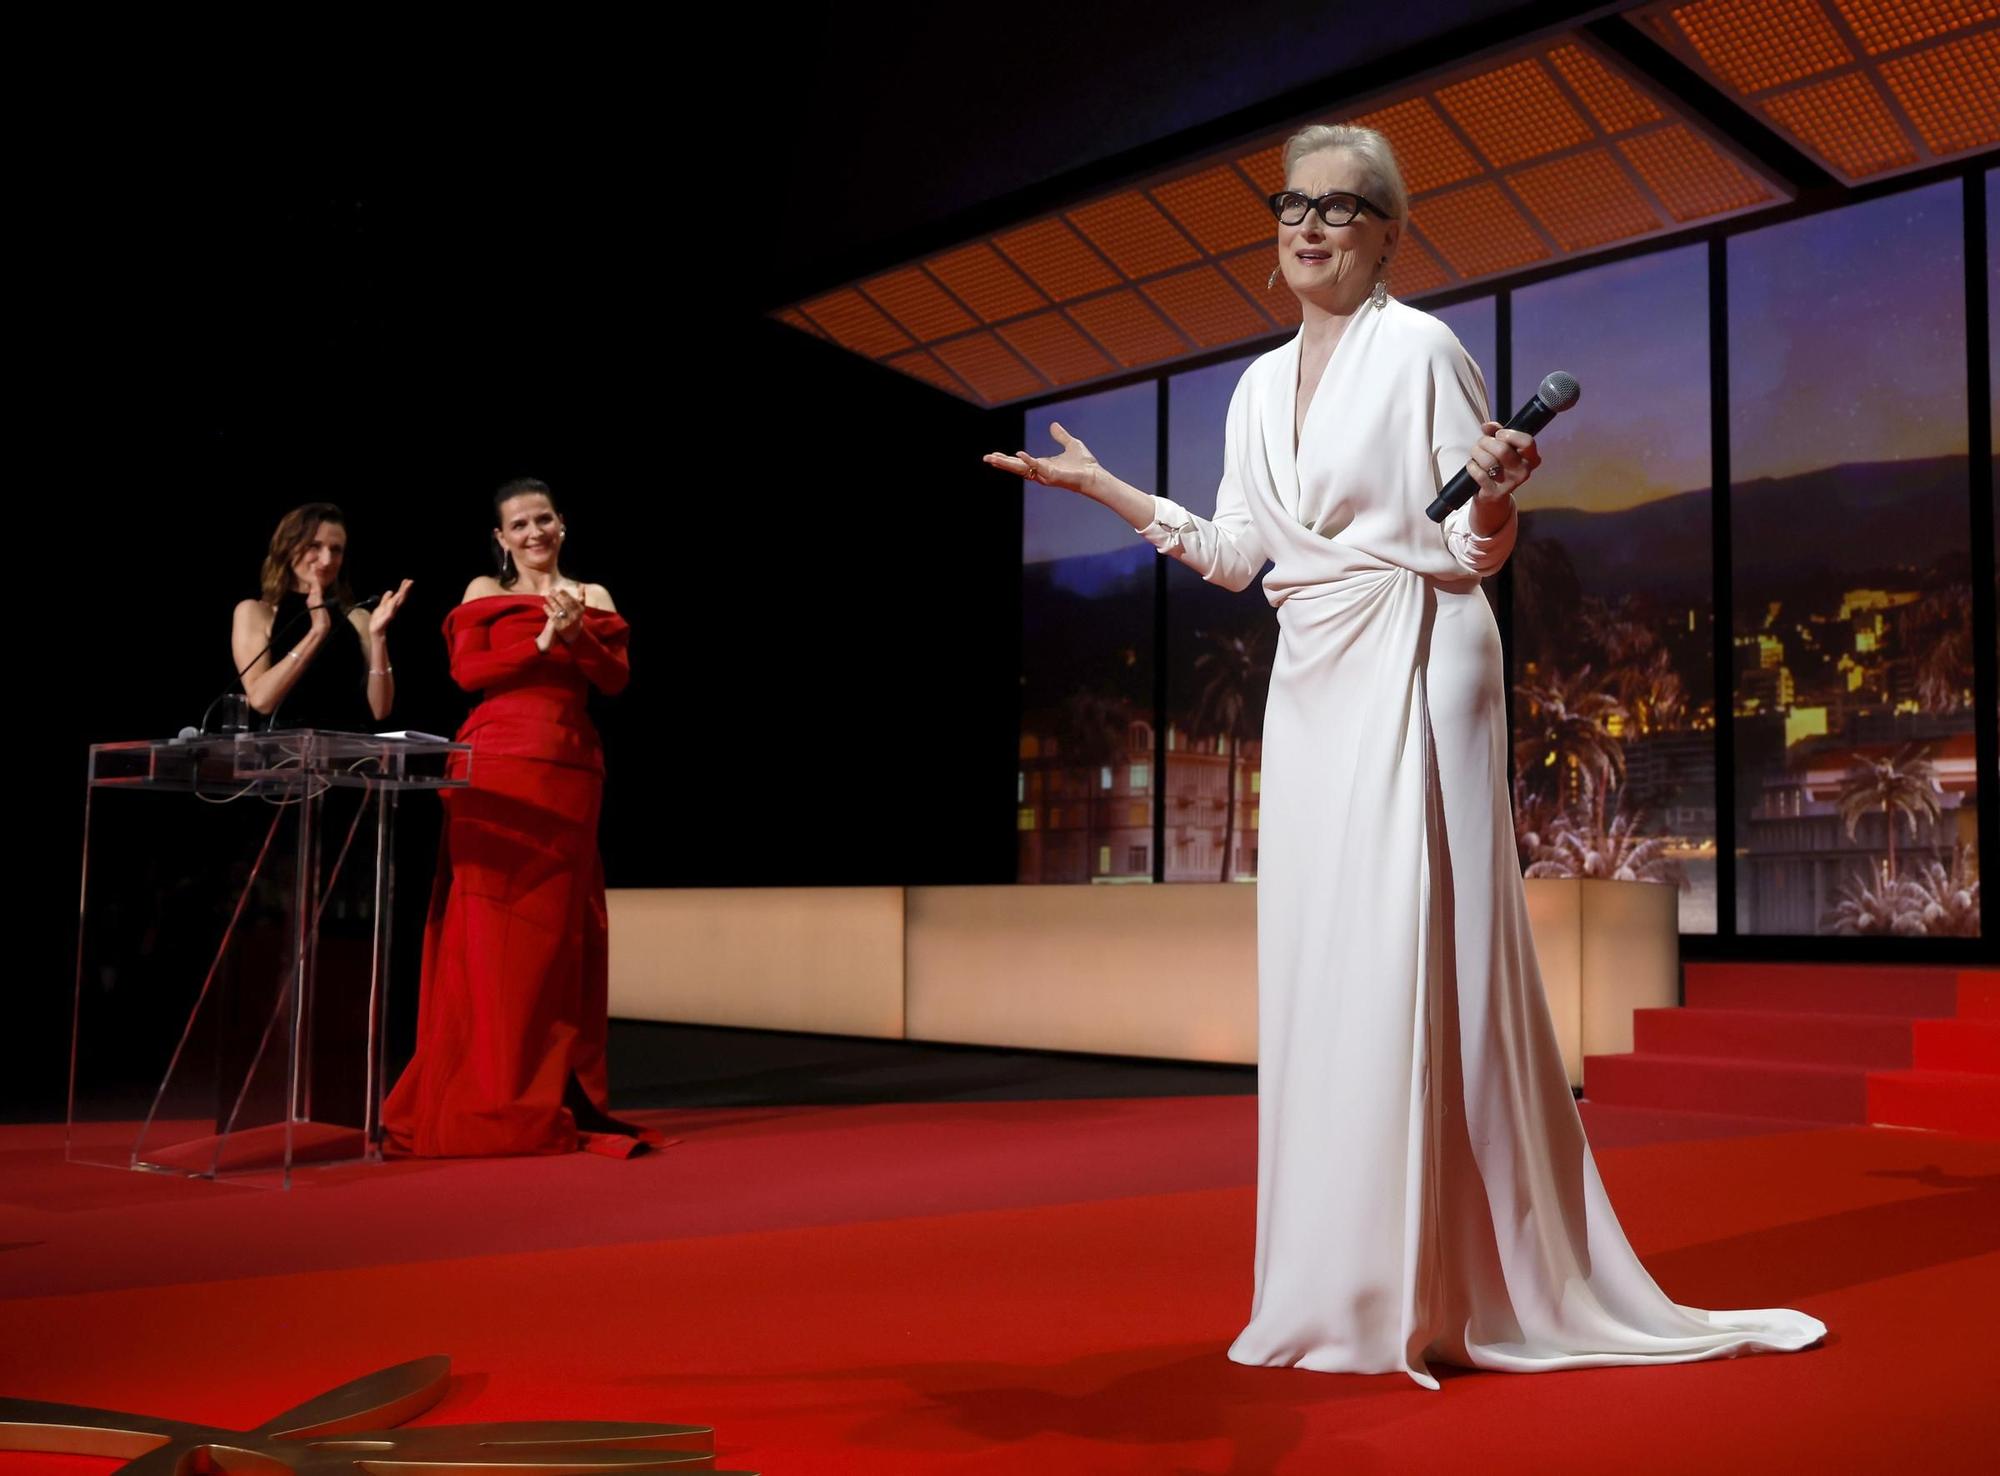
[(1424, 1190)]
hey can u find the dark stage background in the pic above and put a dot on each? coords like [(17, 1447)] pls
[(392, 269)]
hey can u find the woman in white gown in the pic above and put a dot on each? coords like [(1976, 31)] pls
[(1424, 1190)]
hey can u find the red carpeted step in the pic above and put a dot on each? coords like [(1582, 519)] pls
[(1944, 1101), (1784, 1089), (1839, 989), (1979, 994), (1880, 1041), (1957, 1045)]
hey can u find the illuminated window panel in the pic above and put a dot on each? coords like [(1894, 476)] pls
[(1615, 103), (1585, 200), (1205, 307), (1951, 92), (1428, 151), (1514, 113), (983, 362), (793, 318), (1252, 271), (1129, 229), (1478, 231), (1755, 44), (918, 304), (979, 278), (1266, 168), (1413, 270), (1132, 332), (1050, 342), (855, 323), (1056, 260), (1846, 122), (1689, 175), (1885, 25), (921, 365), (1218, 209)]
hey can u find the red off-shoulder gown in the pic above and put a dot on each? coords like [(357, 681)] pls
[(512, 1019)]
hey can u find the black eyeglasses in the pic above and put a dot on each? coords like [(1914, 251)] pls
[(1335, 207)]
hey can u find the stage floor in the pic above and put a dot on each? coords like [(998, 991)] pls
[(991, 1286)]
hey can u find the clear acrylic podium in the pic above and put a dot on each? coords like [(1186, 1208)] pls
[(234, 939)]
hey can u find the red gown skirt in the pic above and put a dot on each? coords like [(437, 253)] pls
[(512, 1021)]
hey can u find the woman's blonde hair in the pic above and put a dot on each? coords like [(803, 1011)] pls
[(1386, 186)]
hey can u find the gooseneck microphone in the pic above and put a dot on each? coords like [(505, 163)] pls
[(339, 611), (1558, 392)]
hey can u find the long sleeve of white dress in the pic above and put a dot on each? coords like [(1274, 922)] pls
[(1424, 1189)]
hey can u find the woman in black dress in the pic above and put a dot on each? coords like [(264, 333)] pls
[(305, 656)]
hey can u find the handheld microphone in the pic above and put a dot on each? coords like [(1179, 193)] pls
[(1558, 392)]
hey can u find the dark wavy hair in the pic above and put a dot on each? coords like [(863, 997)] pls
[(295, 531)]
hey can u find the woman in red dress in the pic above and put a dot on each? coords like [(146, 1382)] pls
[(512, 1020)]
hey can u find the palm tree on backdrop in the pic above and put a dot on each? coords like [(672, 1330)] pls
[(1235, 671), (1946, 898), (1872, 903), (1566, 740), (1620, 851), (1941, 635), (1903, 784), (1093, 729)]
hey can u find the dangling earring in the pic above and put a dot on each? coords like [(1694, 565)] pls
[(1272, 280), (1380, 296)]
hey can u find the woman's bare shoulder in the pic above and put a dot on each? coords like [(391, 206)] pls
[(597, 597), (482, 588)]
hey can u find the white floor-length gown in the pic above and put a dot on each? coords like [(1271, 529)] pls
[(1424, 1190)]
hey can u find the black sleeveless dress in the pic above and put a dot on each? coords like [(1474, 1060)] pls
[(332, 692)]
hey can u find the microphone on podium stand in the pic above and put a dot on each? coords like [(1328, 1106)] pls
[(239, 720), (1558, 392)]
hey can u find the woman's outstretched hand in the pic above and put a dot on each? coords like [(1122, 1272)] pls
[(1074, 467)]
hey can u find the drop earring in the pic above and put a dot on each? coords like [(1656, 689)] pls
[(1272, 280), (1380, 295)]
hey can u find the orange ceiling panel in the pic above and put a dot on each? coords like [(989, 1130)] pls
[(1132, 332), (1515, 113), (1553, 148), (1846, 122), (793, 318), (916, 301), (983, 362), (1266, 168), (1951, 92), (1613, 102), (855, 323), (1252, 271), (1585, 200), (1218, 209), (1755, 44), (982, 280), (1051, 343), (1886, 25), (1206, 307), (920, 365), (1430, 154), (1691, 176), (1129, 229), (1478, 231), (1055, 259), (1414, 270)]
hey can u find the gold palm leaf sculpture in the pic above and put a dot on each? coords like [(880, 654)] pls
[(350, 1431)]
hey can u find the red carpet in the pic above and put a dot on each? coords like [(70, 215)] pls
[(1005, 1287), (1893, 1046)]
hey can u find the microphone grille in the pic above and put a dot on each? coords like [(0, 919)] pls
[(1559, 391)]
